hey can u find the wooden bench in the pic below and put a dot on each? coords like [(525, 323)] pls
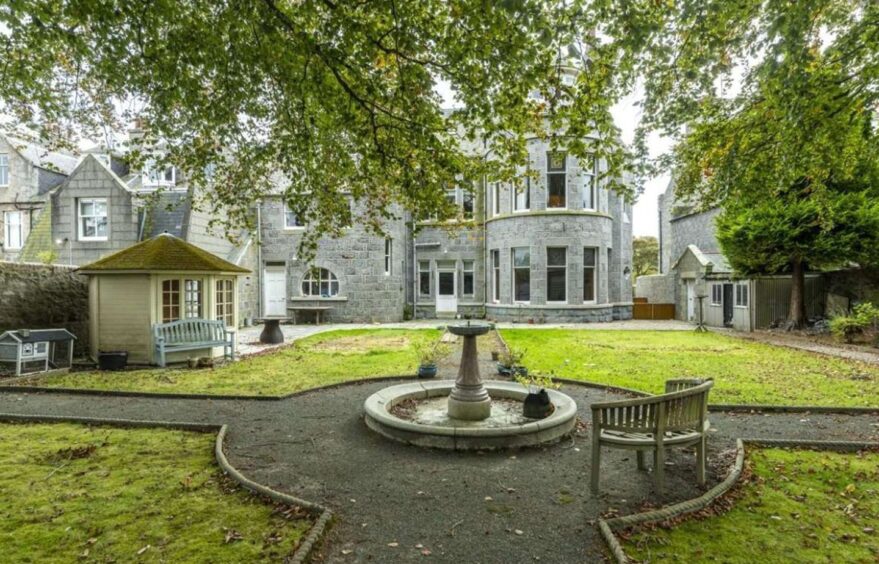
[(192, 334), (318, 310), (678, 418)]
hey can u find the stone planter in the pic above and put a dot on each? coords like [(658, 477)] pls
[(427, 371), (537, 405)]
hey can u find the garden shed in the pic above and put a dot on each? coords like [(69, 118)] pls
[(159, 280)]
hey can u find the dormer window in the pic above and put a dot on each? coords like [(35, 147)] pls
[(155, 176), (92, 221)]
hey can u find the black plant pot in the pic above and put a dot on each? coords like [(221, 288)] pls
[(537, 406), (112, 360)]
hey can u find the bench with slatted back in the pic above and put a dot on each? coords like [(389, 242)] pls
[(678, 418), (192, 334)]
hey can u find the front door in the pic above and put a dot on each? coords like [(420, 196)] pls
[(691, 300), (275, 283), (727, 305), (447, 291)]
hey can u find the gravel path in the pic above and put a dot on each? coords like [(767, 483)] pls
[(397, 502)]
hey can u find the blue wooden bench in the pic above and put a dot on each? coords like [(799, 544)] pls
[(192, 334)]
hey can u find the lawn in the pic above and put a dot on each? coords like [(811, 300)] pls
[(800, 506), (743, 371), (71, 492), (319, 360)]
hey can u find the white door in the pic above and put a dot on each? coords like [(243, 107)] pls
[(275, 284), (691, 300), (447, 291)]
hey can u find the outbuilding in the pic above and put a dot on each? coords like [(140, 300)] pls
[(159, 280)]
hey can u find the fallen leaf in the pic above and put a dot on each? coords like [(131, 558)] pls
[(393, 544), (142, 550)]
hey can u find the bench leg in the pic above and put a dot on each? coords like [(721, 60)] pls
[(659, 467), (596, 461), (161, 356), (641, 464), (701, 459)]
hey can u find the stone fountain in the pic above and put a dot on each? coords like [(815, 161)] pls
[(460, 414)]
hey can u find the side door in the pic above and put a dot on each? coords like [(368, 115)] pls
[(275, 295), (447, 288)]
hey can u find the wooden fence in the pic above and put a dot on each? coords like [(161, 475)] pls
[(644, 310)]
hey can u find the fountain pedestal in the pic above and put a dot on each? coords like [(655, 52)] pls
[(469, 399)]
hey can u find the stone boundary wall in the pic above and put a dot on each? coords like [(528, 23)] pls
[(656, 288), (39, 296)]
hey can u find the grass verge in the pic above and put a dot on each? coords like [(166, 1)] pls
[(71, 492), (319, 360), (744, 371), (798, 506)]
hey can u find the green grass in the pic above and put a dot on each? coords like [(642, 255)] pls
[(71, 492), (319, 360), (743, 371), (802, 506)]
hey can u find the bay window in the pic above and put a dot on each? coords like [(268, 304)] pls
[(590, 183), (522, 275), (556, 274), (556, 180), (590, 265), (522, 199), (496, 276)]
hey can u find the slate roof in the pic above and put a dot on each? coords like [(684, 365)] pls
[(168, 214), (715, 262), (38, 336), (42, 157), (161, 254)]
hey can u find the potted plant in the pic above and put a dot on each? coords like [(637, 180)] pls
[(428, 355), (510, 363), (536, 404)]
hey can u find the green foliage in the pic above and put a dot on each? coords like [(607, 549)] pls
[(743, 371), (864, 318), (319, 99), (319, 360), (429, 352), (645, 259), (512, 357), (536, 380), (79, 493), (47, 257), (799, 506)]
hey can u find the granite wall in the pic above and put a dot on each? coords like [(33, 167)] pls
[(36, 296)]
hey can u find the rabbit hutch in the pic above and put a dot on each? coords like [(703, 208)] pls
[(36, 350)]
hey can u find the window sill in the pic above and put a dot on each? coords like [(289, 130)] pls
[(93, 239), (318, 299), (297, 228)]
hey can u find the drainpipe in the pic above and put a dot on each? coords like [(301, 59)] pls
[(259, 268), (414, 275)]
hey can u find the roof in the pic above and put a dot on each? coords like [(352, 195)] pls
[(43, 157), (38, 335), (713, 262), (162, 253), (168, 213)]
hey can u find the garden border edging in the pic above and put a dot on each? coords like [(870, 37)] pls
[(607, 526), (301, 554)]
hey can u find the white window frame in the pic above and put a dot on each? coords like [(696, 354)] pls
[(563, 268), (590, 185), (563, 172), (389, 255), (496, 276), (79, 218), (330, 279), (424, 268), (495, 199), (4, 170), (193, 298), (526, 190), (468, 267), (514, 268), (465, 195), (297, 225), (716, 294), (224, 308), (594, 270), (742, 295), (8, 224), (170, 291)]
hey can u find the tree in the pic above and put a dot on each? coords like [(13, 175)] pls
[(318, 97), (645, 256)]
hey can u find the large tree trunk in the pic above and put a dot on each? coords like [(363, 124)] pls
[(796, 317)]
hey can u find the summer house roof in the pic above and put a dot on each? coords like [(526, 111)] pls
[(164, 252)]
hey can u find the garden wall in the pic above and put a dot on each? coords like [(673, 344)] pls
[(37, 296)]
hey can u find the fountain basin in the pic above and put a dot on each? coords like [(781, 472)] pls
[(469, 329), (503, 429)]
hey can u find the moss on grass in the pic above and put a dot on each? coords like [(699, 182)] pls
[(744, 371), (71, 492), (319, 360), (800, 506)]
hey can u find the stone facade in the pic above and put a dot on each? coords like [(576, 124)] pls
[(35, 296)]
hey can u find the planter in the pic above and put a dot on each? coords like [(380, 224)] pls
[(427, 371), (112, 360), (537, 405), (511, 372)]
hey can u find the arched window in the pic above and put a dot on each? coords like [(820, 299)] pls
[(320, 282)]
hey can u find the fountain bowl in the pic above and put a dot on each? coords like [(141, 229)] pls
[(470, 330), (497, 432)]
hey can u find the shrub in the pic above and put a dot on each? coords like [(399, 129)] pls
[(863, 319)]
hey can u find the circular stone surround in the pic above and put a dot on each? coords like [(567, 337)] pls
[(467, 435)]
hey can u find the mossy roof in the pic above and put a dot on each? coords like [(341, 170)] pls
[(161, 254)]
